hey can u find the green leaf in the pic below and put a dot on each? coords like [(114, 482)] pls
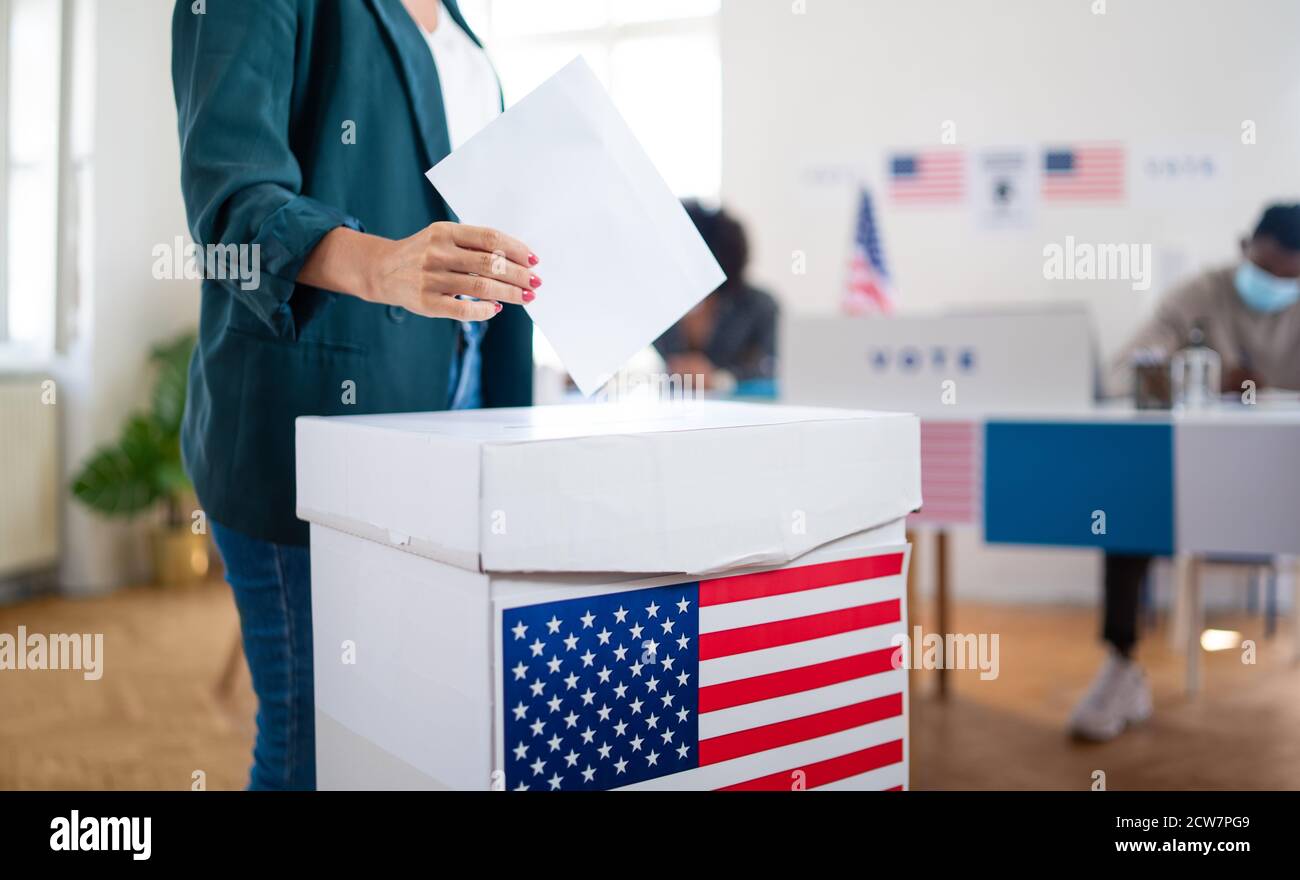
[(145, 466), (112, 484), (173, 362), (145, 444), (172, 479)]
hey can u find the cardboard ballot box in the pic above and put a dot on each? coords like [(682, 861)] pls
[(696, 595)]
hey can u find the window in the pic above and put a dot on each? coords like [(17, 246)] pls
[(658, 59), (31, 74)]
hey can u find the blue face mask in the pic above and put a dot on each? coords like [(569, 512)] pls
[(1264, 292)]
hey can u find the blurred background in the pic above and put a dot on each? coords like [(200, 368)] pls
[(808, 122)]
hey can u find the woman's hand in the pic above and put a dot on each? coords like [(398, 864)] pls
[(425, 272)]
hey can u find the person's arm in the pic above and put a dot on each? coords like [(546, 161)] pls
[(426, 271), (1163, 333), (761, 364), (232, 73)]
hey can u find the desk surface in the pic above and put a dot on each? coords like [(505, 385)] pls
[(1218, 481)]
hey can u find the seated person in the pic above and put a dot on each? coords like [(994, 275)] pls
[(1250, 314), (730, 336)]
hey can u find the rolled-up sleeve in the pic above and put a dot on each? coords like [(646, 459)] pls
[(232, 72)]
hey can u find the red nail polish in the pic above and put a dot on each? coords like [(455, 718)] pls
[(529, 296), (532, 260), (498, 307), (534, 281)]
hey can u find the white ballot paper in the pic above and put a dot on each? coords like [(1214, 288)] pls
[(621, 260)]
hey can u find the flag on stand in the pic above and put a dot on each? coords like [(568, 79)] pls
[(770, 681), (868, 288), (1084, 174)]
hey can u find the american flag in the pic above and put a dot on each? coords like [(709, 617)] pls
[(769, 681), (951, 466), (1087, 174), (868, 288), (933, 177)]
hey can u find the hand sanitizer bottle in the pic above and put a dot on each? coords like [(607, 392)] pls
[(1196, 370)]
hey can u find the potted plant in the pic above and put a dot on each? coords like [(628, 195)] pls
[(142, 472)]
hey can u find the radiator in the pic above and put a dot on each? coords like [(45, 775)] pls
[(29, 476)]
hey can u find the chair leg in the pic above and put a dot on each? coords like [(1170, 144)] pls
[(225, 683), (1178, 614), (1270, 599), (1189, 585), (1294, 566), (941, 600)]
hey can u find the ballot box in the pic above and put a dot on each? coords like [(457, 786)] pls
[(691, 595)]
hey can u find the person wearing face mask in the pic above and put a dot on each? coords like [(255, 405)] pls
[(1249, 313)]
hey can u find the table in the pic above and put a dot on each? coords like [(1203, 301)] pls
[(1184, 485)]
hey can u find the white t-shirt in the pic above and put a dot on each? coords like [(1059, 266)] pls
[(471, 99), (470, 95)]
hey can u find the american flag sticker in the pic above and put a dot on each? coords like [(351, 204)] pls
[(1084, 173), (776, 680), (951, 468), (927, 177)]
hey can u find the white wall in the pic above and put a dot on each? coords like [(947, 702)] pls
[(841, 84), (134, 203)]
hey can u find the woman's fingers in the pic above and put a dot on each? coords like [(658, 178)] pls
[(492, 241), (440, 305), (479, 287), (493, 266)]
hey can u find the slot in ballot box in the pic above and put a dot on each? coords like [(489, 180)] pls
[(697, 595)]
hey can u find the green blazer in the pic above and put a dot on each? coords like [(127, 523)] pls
[(268, 94)]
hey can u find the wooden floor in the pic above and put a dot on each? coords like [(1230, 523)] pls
[(1243, 732), (156, 716)]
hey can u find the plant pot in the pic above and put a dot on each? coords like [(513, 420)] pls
[(180, 557)]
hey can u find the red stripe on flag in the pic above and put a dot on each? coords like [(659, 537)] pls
[(828, 771), (792, 580), (783, 733), (726, 642), (792, 681)]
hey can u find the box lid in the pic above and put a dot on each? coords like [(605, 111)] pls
[(692, 486)]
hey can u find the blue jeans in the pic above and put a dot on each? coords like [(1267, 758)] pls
[(272, 587)]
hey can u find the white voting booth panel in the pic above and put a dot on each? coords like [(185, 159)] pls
[(1013, 361), (951, 369), (490, 609)]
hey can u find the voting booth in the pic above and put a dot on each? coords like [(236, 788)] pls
[(947, 365), (692, 595), (951, 369)]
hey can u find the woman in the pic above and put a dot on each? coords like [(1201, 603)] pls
[(305, 129), (729, 339)]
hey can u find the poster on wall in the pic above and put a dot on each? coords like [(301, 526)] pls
[(1190, 172), (1004, 193)]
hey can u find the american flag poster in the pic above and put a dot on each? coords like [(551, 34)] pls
[(868, 288), (927, 177), (1094, 174), (777, 680)]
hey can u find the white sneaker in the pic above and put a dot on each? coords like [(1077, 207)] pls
[(1119, 696)]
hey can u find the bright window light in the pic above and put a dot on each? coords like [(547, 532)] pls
[(659, 60), (1220, 640)]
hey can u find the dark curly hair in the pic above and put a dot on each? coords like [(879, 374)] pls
[(725, 237), (1280, 223)]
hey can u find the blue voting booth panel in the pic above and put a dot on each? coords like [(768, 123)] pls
[(1044, 480)]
